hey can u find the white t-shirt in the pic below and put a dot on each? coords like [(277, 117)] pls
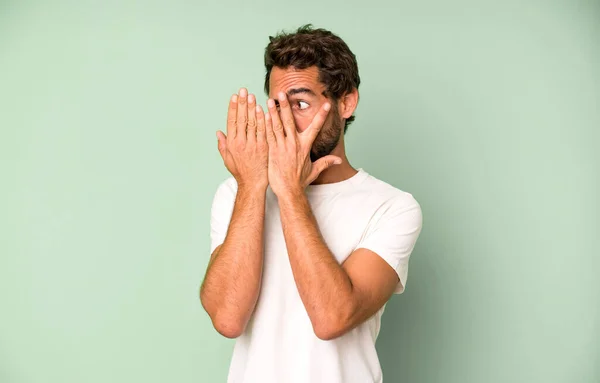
[(279, 345)]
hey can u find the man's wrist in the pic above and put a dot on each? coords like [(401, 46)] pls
[(252, 189), (290, 194)]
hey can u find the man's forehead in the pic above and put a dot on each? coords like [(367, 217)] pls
[(291, 79)]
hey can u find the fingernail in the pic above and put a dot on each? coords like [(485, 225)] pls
[(337, 162), (251, 98), (271, 103), (327, 107), (234, 98), (281, 96), (243, 92)]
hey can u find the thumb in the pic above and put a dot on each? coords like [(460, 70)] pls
[(323, 163), (222, 143)]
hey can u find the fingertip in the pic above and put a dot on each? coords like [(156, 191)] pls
[(327, 107), (234, 98)]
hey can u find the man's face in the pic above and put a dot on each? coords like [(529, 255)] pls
[(305, 94)]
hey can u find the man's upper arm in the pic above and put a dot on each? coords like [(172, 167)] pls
[(378, 267)]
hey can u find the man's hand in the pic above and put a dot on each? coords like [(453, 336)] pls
[(244, 149), (290, 168)]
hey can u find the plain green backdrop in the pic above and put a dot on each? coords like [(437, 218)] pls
[(487, 112)]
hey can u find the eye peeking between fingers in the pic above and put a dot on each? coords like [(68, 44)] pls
[(301, 105), (297, 105)]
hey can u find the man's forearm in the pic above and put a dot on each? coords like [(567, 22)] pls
[(323, 285), (232, 282)]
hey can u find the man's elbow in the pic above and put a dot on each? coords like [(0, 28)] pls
[(228, 328), (329, 330), (335, 323), (225, 324)]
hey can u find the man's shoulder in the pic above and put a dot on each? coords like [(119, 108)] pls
[(390, 207), (387, 193)]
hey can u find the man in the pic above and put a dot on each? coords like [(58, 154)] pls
[(306, 250)]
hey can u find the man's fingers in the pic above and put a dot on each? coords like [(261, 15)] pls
[(232, 116), (222, 143), (317, 123), (251, 132), (271, 140), (321, 164), (276, 121), (260, 125), (242, 114), (287, 117)]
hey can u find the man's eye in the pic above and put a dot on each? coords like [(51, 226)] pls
[(302, 105)]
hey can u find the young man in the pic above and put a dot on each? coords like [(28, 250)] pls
[(306, 250)]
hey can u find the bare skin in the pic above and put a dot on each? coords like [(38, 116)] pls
[(230, 288)]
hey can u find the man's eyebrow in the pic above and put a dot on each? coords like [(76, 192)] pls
[(294, 91)]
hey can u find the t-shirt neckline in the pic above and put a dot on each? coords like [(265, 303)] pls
[(340, 186)]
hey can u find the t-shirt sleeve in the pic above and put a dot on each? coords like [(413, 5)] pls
[(393, 232), (221, 211)]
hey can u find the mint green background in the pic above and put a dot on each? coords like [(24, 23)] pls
[(489, 113)]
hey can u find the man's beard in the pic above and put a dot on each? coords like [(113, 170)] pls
[(329, 136)]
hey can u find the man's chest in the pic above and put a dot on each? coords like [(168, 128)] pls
[(341, 222)]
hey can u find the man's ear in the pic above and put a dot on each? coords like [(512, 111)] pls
[(348, 103)]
